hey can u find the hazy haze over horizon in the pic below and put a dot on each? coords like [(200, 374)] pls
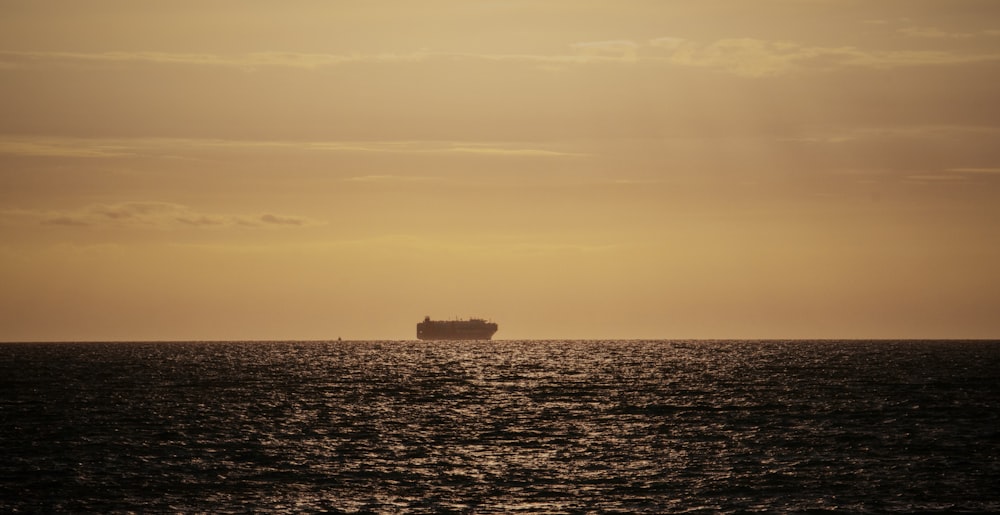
[(586, 169)]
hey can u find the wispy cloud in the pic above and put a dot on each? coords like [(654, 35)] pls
[(51, 147), (741, 56), (147, 214), (579, 53), (510, 149), (954, 175), (488, 246), (746, 57), (935, 178), (637, 182), (168, 147), (938, 33), (975, 170), (270, 219), (390, 178), (760, 58), (622, 50), (909, 132), (244, 61), (507, 151)]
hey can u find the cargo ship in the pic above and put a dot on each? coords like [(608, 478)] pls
[(472, 329)]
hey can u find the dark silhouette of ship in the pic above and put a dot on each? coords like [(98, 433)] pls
[(472, 329)]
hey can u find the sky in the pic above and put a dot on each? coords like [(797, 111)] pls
[(247, 170)]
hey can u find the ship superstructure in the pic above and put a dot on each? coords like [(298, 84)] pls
[(471, 329)]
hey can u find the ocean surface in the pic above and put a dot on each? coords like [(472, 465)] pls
[(500, 427)]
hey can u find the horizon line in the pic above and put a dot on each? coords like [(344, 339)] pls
[(507, 340)]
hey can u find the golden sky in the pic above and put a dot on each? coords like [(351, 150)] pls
[(570, 169)]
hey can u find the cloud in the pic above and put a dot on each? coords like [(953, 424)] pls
[(621, 50), (933, 33), (177, 147), (954, 175), (244, 61), (49, 147), (513, 152), (761, 58), (281, 220), (65, 220), (935, 178), (147, 214), (637, 182), (587, 52), (436, 147), (937, 33), (915, 134), (389, 178), (746, 57), (486, 245), (975, 170)]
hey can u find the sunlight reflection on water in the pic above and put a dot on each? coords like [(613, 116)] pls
[(501, 427)]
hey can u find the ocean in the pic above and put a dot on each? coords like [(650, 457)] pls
[(500, 427)]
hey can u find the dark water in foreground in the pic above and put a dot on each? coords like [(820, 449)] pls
[(500, 427)]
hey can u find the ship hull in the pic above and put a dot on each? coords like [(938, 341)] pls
[(456, 330)]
